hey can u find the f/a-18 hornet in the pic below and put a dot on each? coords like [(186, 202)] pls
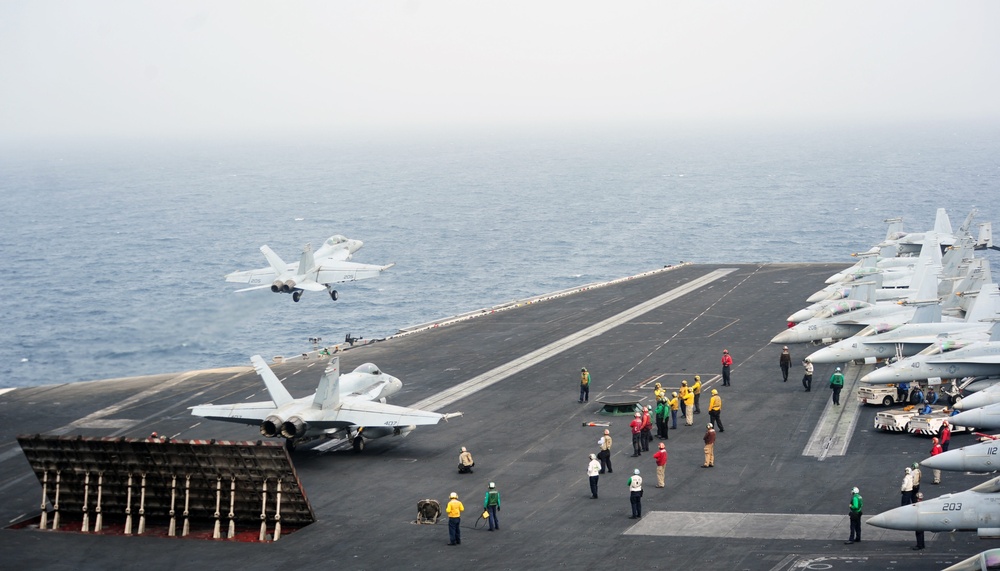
[(350, 406), (314, 272)]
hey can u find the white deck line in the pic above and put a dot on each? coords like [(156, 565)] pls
[(478, 383)]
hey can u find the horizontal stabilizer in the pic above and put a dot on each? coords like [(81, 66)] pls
[(243, 413)]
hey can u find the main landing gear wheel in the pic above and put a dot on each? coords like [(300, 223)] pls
[(296, 296), (333, 294), (359, 444)]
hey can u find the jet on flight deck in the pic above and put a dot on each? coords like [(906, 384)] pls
[(980, 359), (314, 272), (976, 509), (351, 406)]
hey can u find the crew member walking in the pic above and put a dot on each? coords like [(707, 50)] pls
[(635, 494), (935, 450), (715, 409), (785, 362), (727, 362), (807, 379), (593, 471), (584, 385), (836, 383), (454, 510), (491, 503), (605, 454), (636, 426), (709, 447), (855, 514), (661, 464), (696, 389)]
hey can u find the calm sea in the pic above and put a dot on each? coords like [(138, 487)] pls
[(115, 253)]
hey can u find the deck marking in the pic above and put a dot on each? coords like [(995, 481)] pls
[(688, 324), (821, 527), (835, 428), (480, 382)]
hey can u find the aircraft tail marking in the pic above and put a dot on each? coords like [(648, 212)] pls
[(279, 394), (328, 393)]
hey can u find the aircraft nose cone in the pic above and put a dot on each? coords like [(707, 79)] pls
[(801, 315), (882, 376), (897, 518), (825, 356), (786, 336), (951, 460), (818, 296), (969, 418), (976, 400), (835, 278)]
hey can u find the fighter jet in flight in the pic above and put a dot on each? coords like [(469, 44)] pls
[(314, 272), (350, 406), (977, 509)]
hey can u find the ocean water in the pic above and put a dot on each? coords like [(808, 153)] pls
[(115, 252)]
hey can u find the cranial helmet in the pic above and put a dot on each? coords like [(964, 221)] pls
[(637, 415), (715, 391), (637, 471), (492, 485), (854, 490), (454, 496), (662, 445), (710, 425), (592, 457)]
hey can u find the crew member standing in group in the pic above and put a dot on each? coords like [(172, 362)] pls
[(715, 409), (646, 433), (662, 411), (919, 497), (696, 389), (785, 362), (674, 404), (906, 488), (689, 408), (945, 435), (636, 426), (709, 447), (807, 379), (935, 450), (584, 385), (727, 363), (605, 454), (836, 383), (661, 464), (684, 393), (454, 510), (635, 494), (915, 472), (593, 472)]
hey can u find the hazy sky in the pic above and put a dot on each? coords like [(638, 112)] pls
[(151, 69)]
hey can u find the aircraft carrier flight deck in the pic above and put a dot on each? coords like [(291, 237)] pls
[(776, 499)]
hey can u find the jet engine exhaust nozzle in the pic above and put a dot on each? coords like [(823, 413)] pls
[(276, 286), (294, 427), (271, 426), (288, 286)]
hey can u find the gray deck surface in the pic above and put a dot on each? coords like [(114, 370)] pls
[(777, 498)]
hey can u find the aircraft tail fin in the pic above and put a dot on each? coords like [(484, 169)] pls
[(307, 262), (963, 230), (895, 229), (995, 332), (986, 305), (927, 313), (279, 394), (942, 224), (328, 391), (277, 264), (985, 238)]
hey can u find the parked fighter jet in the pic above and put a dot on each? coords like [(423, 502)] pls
[(989, 559), (979, 457), (977, 509), (937, 361), (845, 318), (314, 272), (910, 338), (985, 397), (351, 406)]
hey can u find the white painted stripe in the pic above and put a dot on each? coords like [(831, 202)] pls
[(5, 391), (820, 527), (462, 390), (835, 428)]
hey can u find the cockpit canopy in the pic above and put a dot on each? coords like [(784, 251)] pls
[(943, 346), (334, 240), (840, 307), (368, 368)]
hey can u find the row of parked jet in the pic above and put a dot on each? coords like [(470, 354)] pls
[(930, 317)]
